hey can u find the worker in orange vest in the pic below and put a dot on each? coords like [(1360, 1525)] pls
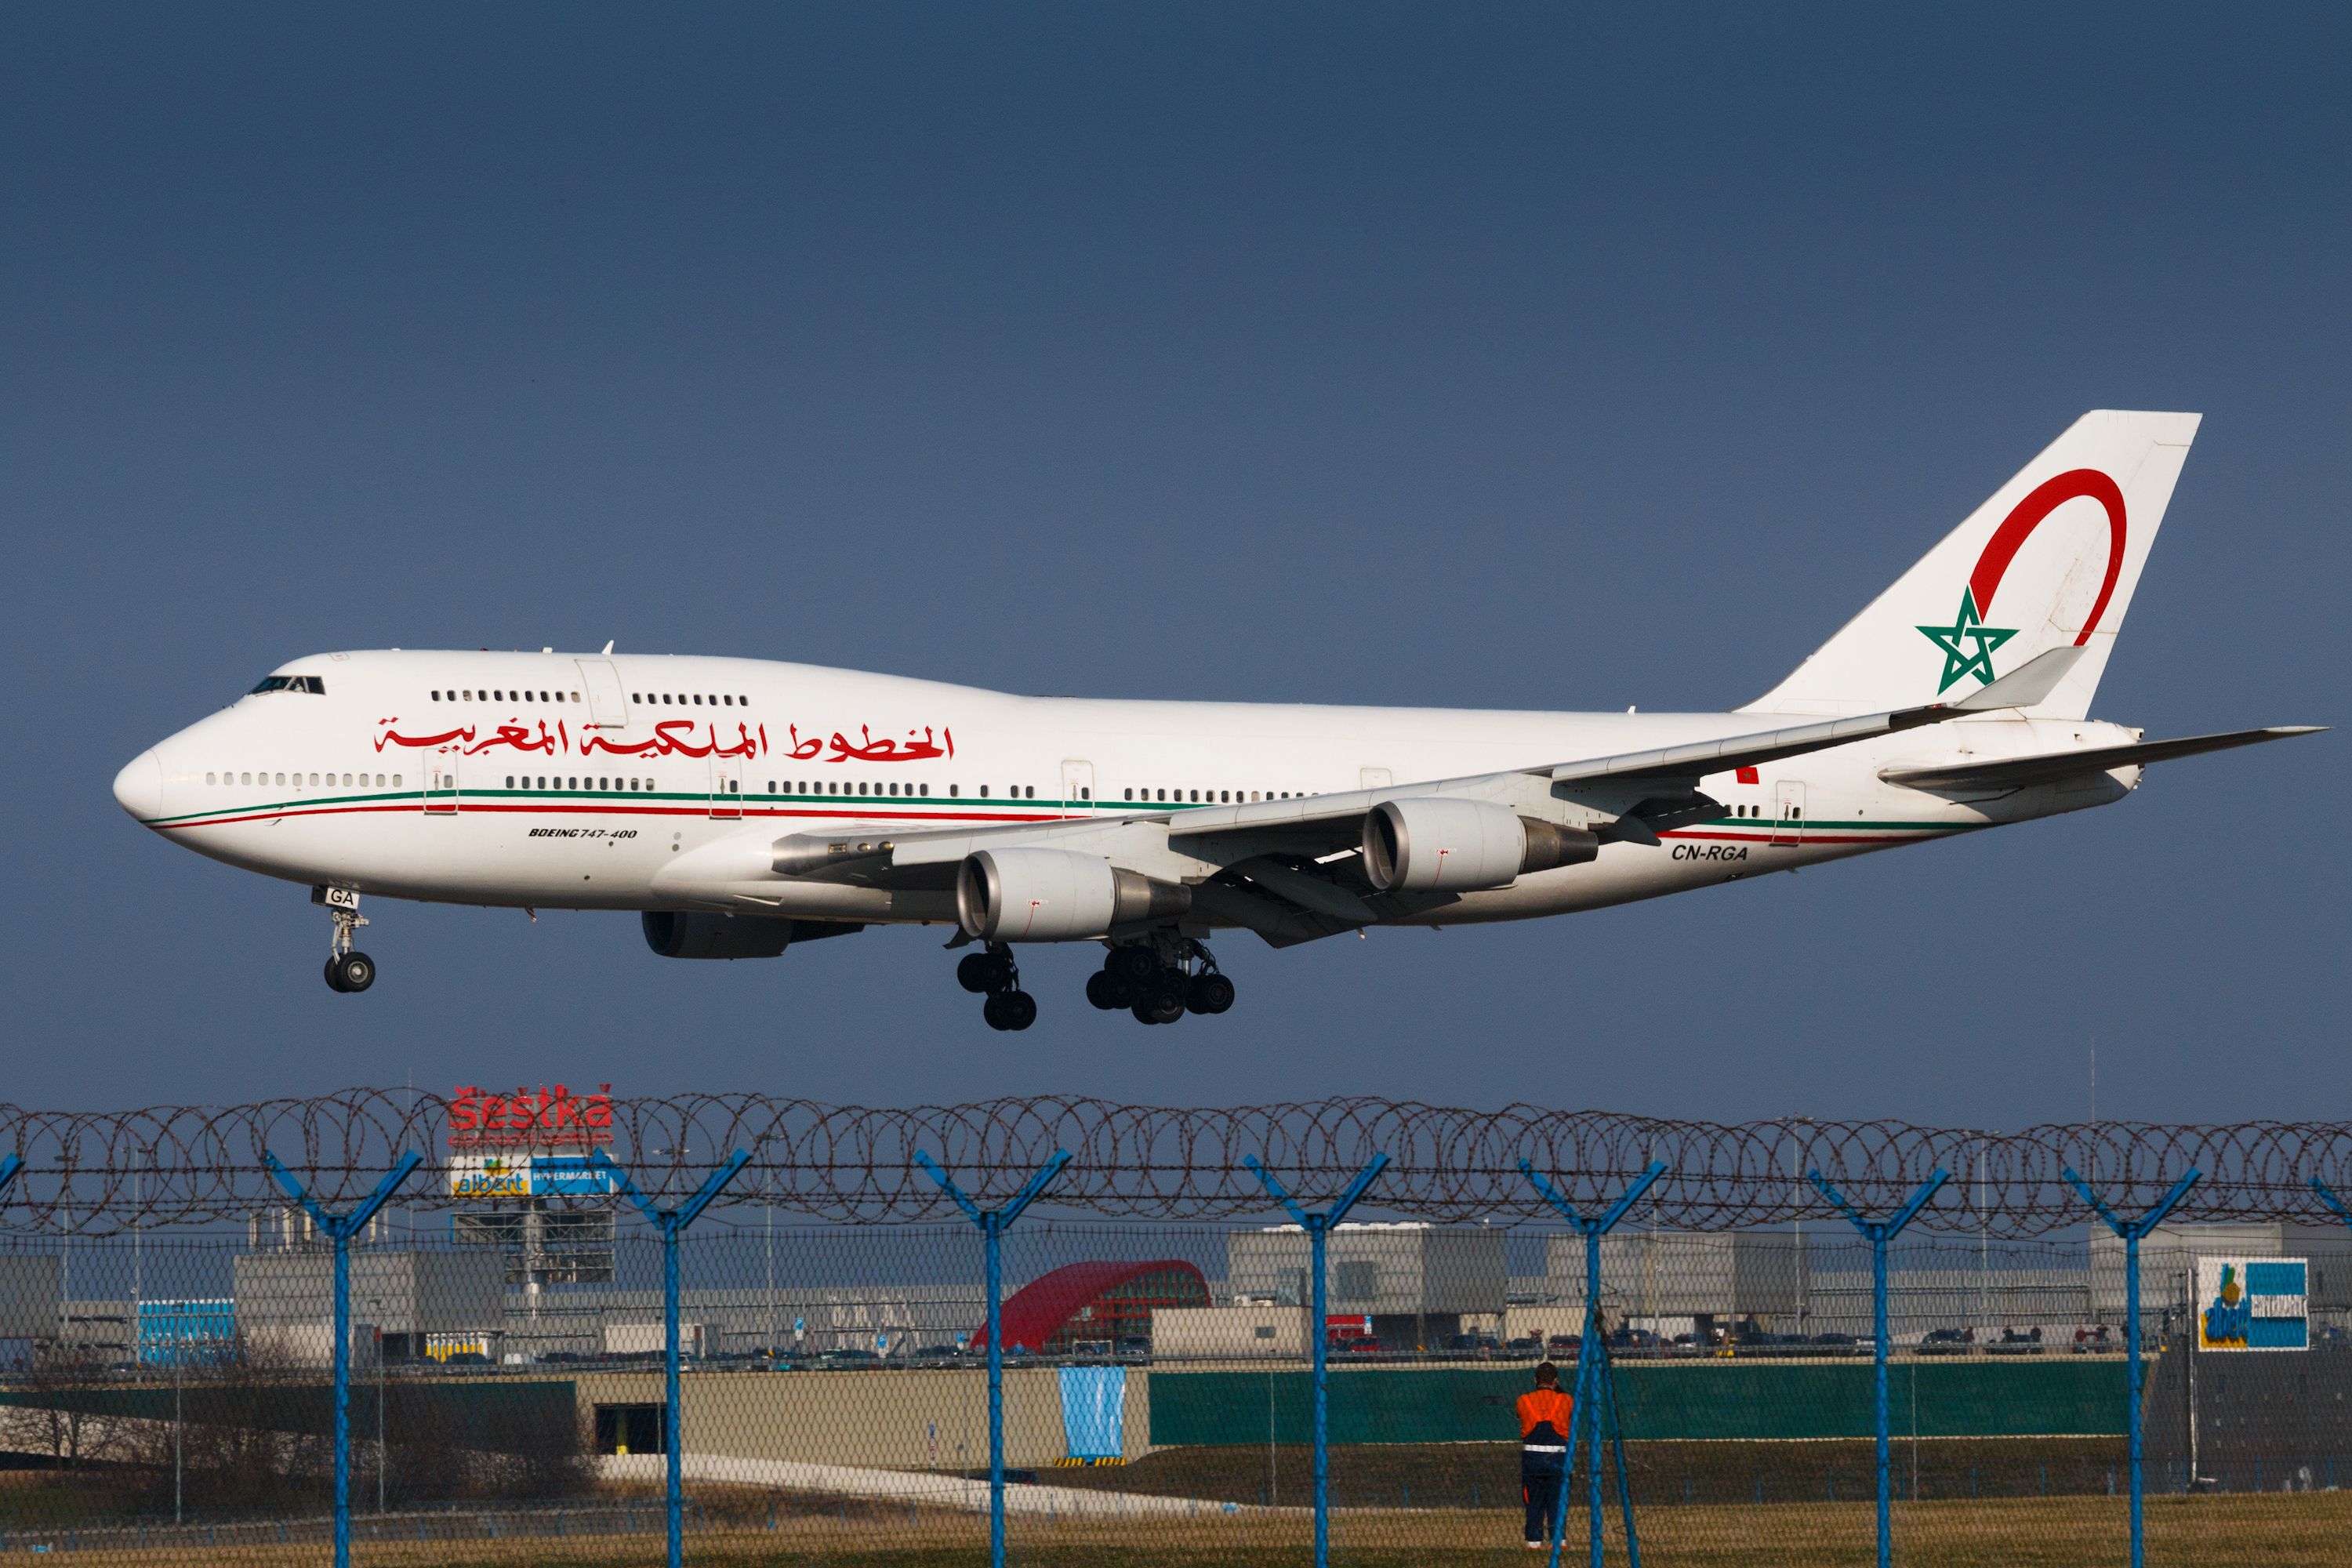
[(1547, 1417)]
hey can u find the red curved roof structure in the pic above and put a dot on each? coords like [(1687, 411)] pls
[(1095, 1300)]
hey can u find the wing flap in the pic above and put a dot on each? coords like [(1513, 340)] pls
[(2049, 767)]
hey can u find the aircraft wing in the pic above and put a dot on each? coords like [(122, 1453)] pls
[(1287, 869), (1660, 777), (2049, 767)]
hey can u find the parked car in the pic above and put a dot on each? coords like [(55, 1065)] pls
[(1564, 1344), (1946, 1342)]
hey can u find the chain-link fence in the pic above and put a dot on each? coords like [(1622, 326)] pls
[(171, 1399)]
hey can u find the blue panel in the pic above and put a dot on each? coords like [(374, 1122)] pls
[(2276, 1279), (2277, 1334), (1094, 1410)]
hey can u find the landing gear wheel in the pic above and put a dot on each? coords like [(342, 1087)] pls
[(1135, 964), (334, 977), (351, 972), (1210, 993), (1163, 1004), (976, 972), (1010, 1010), (1108, 992)]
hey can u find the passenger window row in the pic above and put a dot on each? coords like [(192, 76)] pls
[(265, 777), (684, 698), (502, 694), (1222, 796), (549, 781)]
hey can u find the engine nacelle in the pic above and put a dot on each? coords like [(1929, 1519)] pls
[(1053, 895), (675, 935), (1433, 844)]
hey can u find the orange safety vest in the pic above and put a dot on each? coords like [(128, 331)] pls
[(1546, 1418)]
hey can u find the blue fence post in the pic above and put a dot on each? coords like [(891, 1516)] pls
[(340, 1229), (2131, 1231), (992, 1224), (1591, 1363), (8, 1169), (1318, 1229), (671, 1223), (1880, 1232)]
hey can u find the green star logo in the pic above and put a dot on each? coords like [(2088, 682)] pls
[(1966, 628)]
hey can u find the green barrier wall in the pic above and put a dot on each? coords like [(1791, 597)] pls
[(1699, 1399), (495, 1414)]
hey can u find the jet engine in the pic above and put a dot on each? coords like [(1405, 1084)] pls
[(675, 935), (1053, 895), (1432, 844)]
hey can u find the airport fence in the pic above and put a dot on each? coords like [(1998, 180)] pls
[(690, 1364)]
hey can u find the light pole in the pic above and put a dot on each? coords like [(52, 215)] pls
[(768, 1189), (375, 1310)]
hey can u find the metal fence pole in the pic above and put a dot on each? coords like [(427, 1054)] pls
[(2131, 1231), (340, 1229), (671, 1224), (1592, 1363), (1880, 1232), (992, 1224), (1317, 1228)]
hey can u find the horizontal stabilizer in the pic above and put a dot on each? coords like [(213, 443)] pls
[(2027, 685), (2016, 772)]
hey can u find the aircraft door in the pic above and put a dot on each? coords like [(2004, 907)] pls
[(608, 704), (441, 784), (1077, 787), (1789, 819), (727, 787)]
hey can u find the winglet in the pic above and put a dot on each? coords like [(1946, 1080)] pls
[(2026, 685)]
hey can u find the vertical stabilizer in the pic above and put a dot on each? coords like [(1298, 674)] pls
[(2048, 562)]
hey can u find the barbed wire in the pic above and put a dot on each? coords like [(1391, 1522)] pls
[(104, 1171)]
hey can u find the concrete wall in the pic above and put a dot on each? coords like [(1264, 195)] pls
[(30, 1295), (1240, 1333), (401, 1293), (1412, 1269), (889, 1418)]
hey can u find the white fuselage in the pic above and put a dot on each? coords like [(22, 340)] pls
[(552, 780)]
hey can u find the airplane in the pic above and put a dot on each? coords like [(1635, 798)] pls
[(743, 807)]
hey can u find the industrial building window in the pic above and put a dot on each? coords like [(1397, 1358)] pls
[(630, 1429), (1358, 1281)]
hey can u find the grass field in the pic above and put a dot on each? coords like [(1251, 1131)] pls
[(2296, 1531)]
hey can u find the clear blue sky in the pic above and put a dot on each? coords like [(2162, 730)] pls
[(1486, 356)]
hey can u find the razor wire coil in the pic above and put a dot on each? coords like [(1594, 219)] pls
[(98, 1173)]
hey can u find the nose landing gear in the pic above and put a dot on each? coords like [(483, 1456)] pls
[(1157, 981), (993, 971), (348, 970)]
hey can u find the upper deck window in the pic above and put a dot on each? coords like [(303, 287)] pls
[(309, 683)]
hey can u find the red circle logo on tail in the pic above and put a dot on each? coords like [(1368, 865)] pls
[(2027, 515)]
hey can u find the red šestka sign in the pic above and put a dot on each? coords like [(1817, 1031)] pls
[(527, 1119)]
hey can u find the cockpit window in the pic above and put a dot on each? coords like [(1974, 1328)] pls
[(312, 684)]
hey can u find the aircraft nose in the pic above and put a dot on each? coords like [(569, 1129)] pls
[(139, 787)]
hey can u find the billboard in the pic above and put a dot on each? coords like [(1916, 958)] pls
[(526, 1120), (527, 1177), (2253, 1304)]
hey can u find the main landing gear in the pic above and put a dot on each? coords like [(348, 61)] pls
[(346, 968), (993, 971), (1157, 981)]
